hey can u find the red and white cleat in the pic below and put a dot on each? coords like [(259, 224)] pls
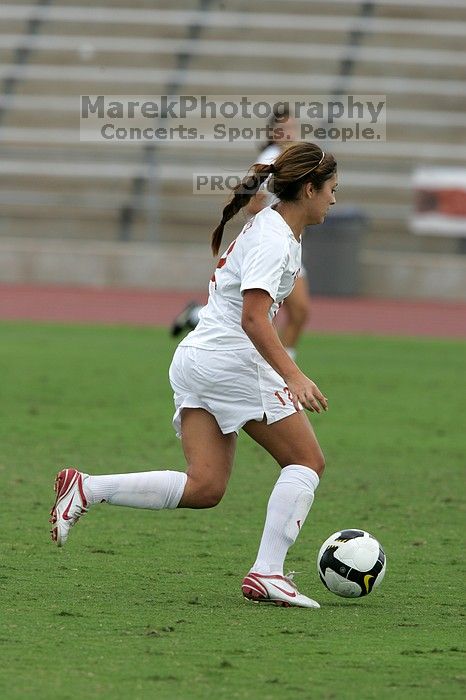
[(276, 589), (69, 505)]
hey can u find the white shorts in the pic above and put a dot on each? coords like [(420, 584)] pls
[(235, 386)]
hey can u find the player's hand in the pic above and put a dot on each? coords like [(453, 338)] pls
[(306, 392)]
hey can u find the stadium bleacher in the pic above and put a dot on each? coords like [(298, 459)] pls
[(54, 186)]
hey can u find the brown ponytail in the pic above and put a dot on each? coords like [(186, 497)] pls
[(299, 164), (242, 194)]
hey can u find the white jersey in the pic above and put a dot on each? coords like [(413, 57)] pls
[(265, 255)]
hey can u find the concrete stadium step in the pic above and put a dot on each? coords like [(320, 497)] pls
[(130, 53), (281, 63), (86, 56), (224, 82), (88, 45), (60, 228), (135, 4), (409, 70), (266, 19), (65, 228), (425, 9), (82, 201), (384, 237), (110, 30), (422, 10)]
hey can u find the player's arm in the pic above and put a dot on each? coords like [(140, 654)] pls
[(257, 326)]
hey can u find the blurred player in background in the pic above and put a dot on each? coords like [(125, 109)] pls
[(232, 372), (281, 131)]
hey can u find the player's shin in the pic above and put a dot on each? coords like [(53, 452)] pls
[(287, 510), (154, 490)]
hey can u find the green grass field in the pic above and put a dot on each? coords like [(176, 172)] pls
[(147, 604)]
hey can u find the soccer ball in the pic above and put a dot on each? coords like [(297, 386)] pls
[(351, 563)]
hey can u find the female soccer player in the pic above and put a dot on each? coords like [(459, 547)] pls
[(232, 372), (282, 133)]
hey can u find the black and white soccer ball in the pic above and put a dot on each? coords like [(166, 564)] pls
[(351, 563)]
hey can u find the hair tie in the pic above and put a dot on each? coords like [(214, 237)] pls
[(314, 167), (272, 168)]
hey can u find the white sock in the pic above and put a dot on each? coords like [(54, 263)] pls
[(289, 504), (154, 490)]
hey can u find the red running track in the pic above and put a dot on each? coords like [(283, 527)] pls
[(153, 307)]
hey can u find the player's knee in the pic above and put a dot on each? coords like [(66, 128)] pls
[(314, 461), (317, 463), (205, 494), (211, 496)]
